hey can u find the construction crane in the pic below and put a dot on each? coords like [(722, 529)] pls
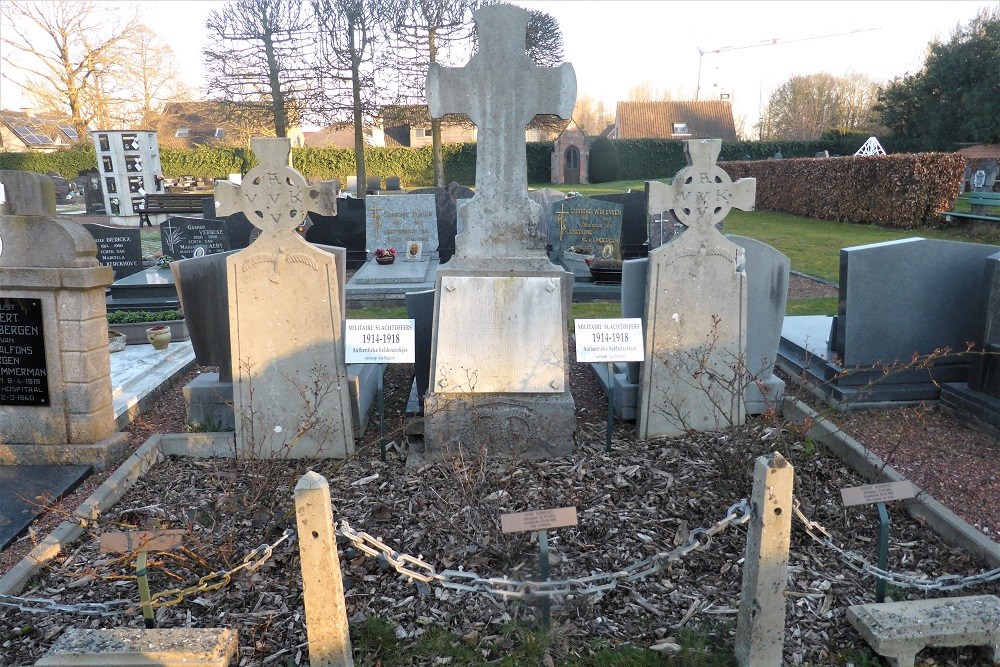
[(774, 41)]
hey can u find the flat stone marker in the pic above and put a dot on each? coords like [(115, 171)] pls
[(20, 488), (696, 308), (290, 392), (178, 647), (899, 630)]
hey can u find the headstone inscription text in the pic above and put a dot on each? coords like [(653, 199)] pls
[(23, 372), (607, 340), (558, 517), (379, 341), (119, 248), (593, 224), (876, 493), (394, 221), (183, 238)]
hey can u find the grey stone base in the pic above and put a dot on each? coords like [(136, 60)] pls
[(210, 402), (397, 273), (530, 426), (970, 405), (625, 395), (101, 455)]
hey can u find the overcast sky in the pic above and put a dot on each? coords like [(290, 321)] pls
[(749, 48)]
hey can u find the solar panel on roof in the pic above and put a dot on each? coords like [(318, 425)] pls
[(30, 137), (70, 132)]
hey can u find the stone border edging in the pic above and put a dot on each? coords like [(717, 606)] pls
[(952, 528), (813, 278), (104, 497)]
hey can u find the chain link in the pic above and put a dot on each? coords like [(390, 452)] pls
[(251, 562), (858, 563), (416, 569)]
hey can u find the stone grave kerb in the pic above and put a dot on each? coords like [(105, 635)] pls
[(290, 389), (696, 302), (52, 265), (501, 90)]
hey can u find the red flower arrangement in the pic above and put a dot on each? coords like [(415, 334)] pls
[(385, 255)]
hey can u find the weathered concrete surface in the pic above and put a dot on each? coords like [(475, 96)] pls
[(900, 630), (175, 647)]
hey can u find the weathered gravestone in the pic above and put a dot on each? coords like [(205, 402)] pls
[(545, 198), (55, 397), (499, 358), (118, 247), (591, 227), (182, 238), (290, 393), (693, 374)]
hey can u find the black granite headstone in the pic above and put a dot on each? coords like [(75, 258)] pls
[(420, 308), (345, 230), (634, 221), (241, 230), (588, 223), (182, 238), (27, 491), (23, 371), (118, 247)]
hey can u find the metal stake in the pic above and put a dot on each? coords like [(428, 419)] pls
[(546, 602), (381, 411), (144, 597), (883, 550), (611, 410)]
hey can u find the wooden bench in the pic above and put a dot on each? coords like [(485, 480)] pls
[(980, 202), (155, 204), (900, 630)]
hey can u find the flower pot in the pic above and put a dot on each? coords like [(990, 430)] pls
[(386, 259), (158, 336), (116, 341)]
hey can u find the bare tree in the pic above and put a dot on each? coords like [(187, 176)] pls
[(71, 52), (155, 79), (806, 106), (591, 116), (262, 57), (352, 34), (423, 29)]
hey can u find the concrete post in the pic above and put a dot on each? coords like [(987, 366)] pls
[(760, 627), (322, 586)]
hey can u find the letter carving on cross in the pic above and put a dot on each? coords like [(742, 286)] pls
[(500, 90)]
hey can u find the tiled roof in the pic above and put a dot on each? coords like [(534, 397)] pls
[(331, 137), (981, 151), (40, 130), (418, 115), (656, 120)]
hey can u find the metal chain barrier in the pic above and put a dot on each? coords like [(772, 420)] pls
[(858, 563), (416, 569), (251, 562)]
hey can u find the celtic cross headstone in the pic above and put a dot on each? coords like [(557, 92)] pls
[(290, 391), (696, 312)]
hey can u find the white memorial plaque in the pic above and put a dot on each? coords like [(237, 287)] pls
[(493, 335), (607, 340), (876, 493), (379, 342)]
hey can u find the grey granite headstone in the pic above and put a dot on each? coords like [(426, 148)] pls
[(590, 224), (393, 221), (633, 301), (118, 247), (906, 297), (545, 198), (489, 387), (182, 238), (767, 292)]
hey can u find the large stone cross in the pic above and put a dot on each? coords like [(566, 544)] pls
[(702, 194), (274, 197), (500, 90)]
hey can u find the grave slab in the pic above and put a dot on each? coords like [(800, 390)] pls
[(900, 630), (173, 647), (27, 491)]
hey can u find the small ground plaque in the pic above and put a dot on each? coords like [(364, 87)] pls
[(876, 493), (127, 541), (538, 519), (23, 372), (607, 340)]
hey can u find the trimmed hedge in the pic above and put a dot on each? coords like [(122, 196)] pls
[(901, 191), (414, 166)]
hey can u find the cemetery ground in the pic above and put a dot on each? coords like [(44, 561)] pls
[(641, 499)]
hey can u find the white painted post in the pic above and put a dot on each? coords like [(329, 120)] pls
[(760, 627), (322, 586)]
